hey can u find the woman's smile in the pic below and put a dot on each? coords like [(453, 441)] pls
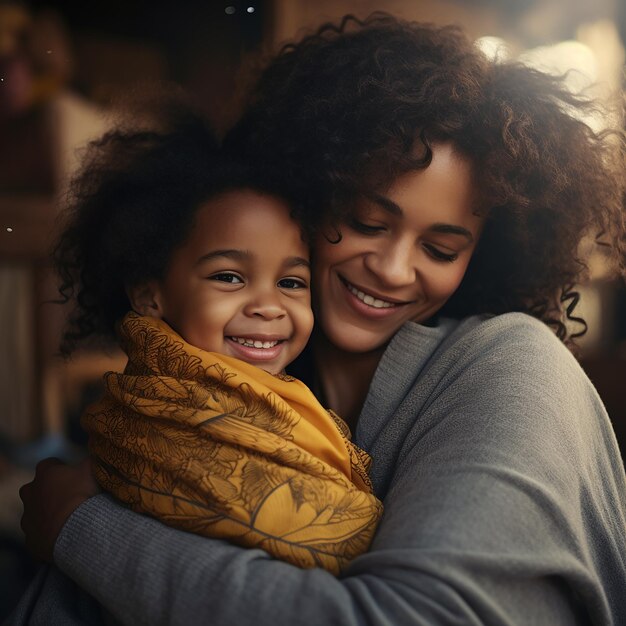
[(369, 303), (401, 254)]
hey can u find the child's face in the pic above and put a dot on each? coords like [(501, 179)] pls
[(239, 285)]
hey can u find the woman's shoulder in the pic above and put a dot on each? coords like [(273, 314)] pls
[(485, 326), (514, 343), (506, 379), (510, 375), (512, 349), (511, 333), (514, 366), (496, 358), (505, 327), (477, 333)]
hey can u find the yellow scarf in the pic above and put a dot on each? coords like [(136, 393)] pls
[(218, 447)]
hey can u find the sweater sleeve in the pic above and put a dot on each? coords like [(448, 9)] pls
[(505, 505)]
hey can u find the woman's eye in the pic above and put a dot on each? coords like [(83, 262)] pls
[(438, 255), (292, 283), (365, 229), (227, 277)]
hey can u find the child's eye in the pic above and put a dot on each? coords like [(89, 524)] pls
[(362, 227), (292, 283), (227, 277), (438, 255)]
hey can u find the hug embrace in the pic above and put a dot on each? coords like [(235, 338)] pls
[(393, 228)]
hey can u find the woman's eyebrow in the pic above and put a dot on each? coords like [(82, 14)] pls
[(388, 205), (451, 229), (447, 229)]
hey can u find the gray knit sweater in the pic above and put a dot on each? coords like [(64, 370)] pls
[(504, 494)]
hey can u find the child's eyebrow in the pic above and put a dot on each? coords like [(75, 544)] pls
[(237, 255), (297, 261), (244, 255)]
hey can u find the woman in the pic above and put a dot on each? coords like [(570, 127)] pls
[(457, 194)]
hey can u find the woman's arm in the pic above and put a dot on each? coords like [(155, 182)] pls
[(505, 506)]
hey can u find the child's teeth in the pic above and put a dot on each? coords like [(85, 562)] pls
[(255, 343)]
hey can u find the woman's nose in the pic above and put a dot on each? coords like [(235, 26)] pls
[(394, 265)]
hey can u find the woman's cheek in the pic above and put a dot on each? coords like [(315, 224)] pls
[(442, 285)]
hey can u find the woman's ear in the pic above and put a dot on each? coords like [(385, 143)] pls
[(146, 299)]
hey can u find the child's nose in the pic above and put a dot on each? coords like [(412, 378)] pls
[(267, 306)]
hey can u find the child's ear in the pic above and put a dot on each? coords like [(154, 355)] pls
[(146, 299)]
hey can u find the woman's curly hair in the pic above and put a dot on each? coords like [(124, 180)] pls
[(131, 204), (340, 113)]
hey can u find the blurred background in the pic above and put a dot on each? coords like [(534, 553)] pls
[(61, 71)]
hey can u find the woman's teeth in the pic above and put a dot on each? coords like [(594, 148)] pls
[(370, 300), (254, 343)]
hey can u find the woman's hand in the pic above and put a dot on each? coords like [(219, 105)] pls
[(50, 498)]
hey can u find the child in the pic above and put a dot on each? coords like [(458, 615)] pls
[(203, 429)]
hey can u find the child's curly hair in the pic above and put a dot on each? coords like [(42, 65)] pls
[(340, 113), (131, 204)]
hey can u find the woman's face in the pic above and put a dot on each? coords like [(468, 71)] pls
[(402, 254)]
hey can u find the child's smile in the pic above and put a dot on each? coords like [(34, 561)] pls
[(259, 348), (239, 284)]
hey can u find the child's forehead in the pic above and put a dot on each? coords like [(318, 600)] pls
[(246, 218), (224, 203)]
